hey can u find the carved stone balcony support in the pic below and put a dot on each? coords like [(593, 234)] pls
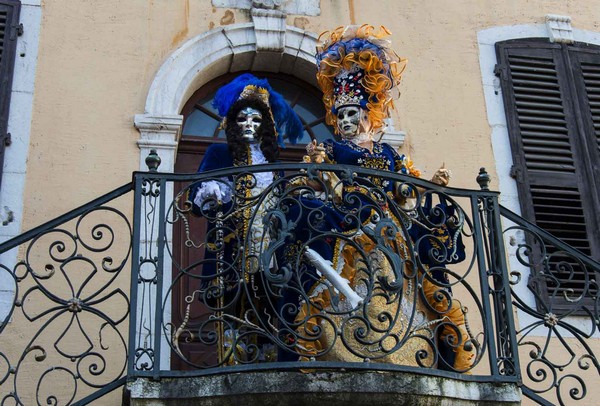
[(331, 388)]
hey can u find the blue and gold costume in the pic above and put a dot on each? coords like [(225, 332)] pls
[(245, 91), (358, 70), (233, 205)]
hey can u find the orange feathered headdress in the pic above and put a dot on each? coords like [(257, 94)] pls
[(356, 65)]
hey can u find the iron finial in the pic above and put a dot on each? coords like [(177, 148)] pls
[(153, 161), (483, 179)]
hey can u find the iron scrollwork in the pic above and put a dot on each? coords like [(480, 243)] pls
[(266, 297), (558, 323), (334, 264), (69, 308)]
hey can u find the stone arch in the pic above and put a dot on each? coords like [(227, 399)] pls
[(232, 48)]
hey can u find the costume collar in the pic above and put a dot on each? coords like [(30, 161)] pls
[(377, 147)]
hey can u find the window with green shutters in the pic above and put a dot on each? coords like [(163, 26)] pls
[(552, 101), (9, 30)]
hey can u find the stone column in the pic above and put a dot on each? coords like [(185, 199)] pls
[(159, 134)]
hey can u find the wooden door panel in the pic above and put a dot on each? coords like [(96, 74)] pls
[(193, 312)]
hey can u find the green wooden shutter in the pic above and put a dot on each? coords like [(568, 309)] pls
[(550, 159), (9, 29)]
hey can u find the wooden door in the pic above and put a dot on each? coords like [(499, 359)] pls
[(188, 159)]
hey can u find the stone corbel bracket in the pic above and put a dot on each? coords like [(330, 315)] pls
[(392, 136), (159, 133), (291, 7), (559, 28), (267, 4), (269, 25)]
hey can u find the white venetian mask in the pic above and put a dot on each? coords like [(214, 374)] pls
[(353, 124), (249, 119), (348, 119)]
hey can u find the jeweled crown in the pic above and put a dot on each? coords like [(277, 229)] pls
[(255, 91), (348, 89)]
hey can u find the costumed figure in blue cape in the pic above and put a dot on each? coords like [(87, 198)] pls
[(338, 239), (255, 119)]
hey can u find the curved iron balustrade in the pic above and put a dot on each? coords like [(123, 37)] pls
[(245, 294), (264, 300), (559, 318), (69, 309)]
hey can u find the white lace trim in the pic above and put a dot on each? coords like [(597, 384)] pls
[(359, 139), (263, 179), (225, 186)]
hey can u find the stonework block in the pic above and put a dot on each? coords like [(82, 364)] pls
[(394, 137), (159, 133), (267, 62), (559, 28), (269, 26), (242, 61), (240, 36), (295, 7), (331, 388), (19, 127), (27, 49)]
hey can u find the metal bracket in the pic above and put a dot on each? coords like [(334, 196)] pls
[(17, 31), (516, 173), (6, 216), (500, 71)]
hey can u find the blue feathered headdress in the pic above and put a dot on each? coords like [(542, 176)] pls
[(286, 120)]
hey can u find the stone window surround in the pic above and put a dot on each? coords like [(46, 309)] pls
[(300, 7), (16, 155), (231, 48), (507, 186), (227, 49)]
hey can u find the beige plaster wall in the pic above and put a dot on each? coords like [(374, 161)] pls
[(442, 106), (95, 66), (97, 60)]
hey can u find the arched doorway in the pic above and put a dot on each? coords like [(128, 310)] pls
[(209, 56)]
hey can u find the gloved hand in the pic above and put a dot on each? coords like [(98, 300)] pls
[(208, 189), (442, 176), (213, 189), (315, 153)]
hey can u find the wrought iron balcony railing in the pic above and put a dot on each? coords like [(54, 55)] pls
[(292, 266)]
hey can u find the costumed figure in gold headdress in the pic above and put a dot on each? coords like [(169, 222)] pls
[(374, 289), (254, 118)]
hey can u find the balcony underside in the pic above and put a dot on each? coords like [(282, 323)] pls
[(330, 388)]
